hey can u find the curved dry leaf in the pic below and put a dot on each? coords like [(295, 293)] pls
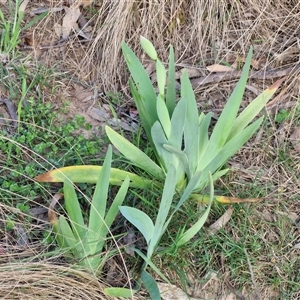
[(23, 5), (51, 213), (70, 20), (221, 222), (219, 68)]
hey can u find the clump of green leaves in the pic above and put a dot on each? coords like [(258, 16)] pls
[(86, 241), (178, 134)]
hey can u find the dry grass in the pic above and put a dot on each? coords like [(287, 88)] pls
[(42, 280), (202, 33)]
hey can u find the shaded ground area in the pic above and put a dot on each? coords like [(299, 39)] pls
[(80, 42)]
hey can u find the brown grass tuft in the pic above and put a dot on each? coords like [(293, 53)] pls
[(41, 280)]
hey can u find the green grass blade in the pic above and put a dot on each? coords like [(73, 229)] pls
[(111, 215), (140, 220), (74, 210), (134, 154), (171, 91), (98, 205), (191, 126), (151, 264), (34, 21)]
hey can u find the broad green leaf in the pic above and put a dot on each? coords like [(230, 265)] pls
[(218, 174), (145, 118), (181, 157), (69, 238), (140, 220), (74, 211), (188, 190), (252, 110), (61, 241), (191, 126), (164, 156), (227, 118), (185, 195), (204, 179), (171, 91), (90, 174), (190, 233), (203, 134), (159, 139), (119, 292), (106, 225), (147, 97), (98, 205), (232, 147), (134, 154), (161, 78), (118, 200), (164, 208), (177, 124), (150, 285), (163, 116), (148, 48)]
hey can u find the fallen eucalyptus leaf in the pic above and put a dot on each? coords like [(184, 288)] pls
[(219, 68)]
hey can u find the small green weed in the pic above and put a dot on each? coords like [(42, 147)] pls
[(41, 134), (10, 26)]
